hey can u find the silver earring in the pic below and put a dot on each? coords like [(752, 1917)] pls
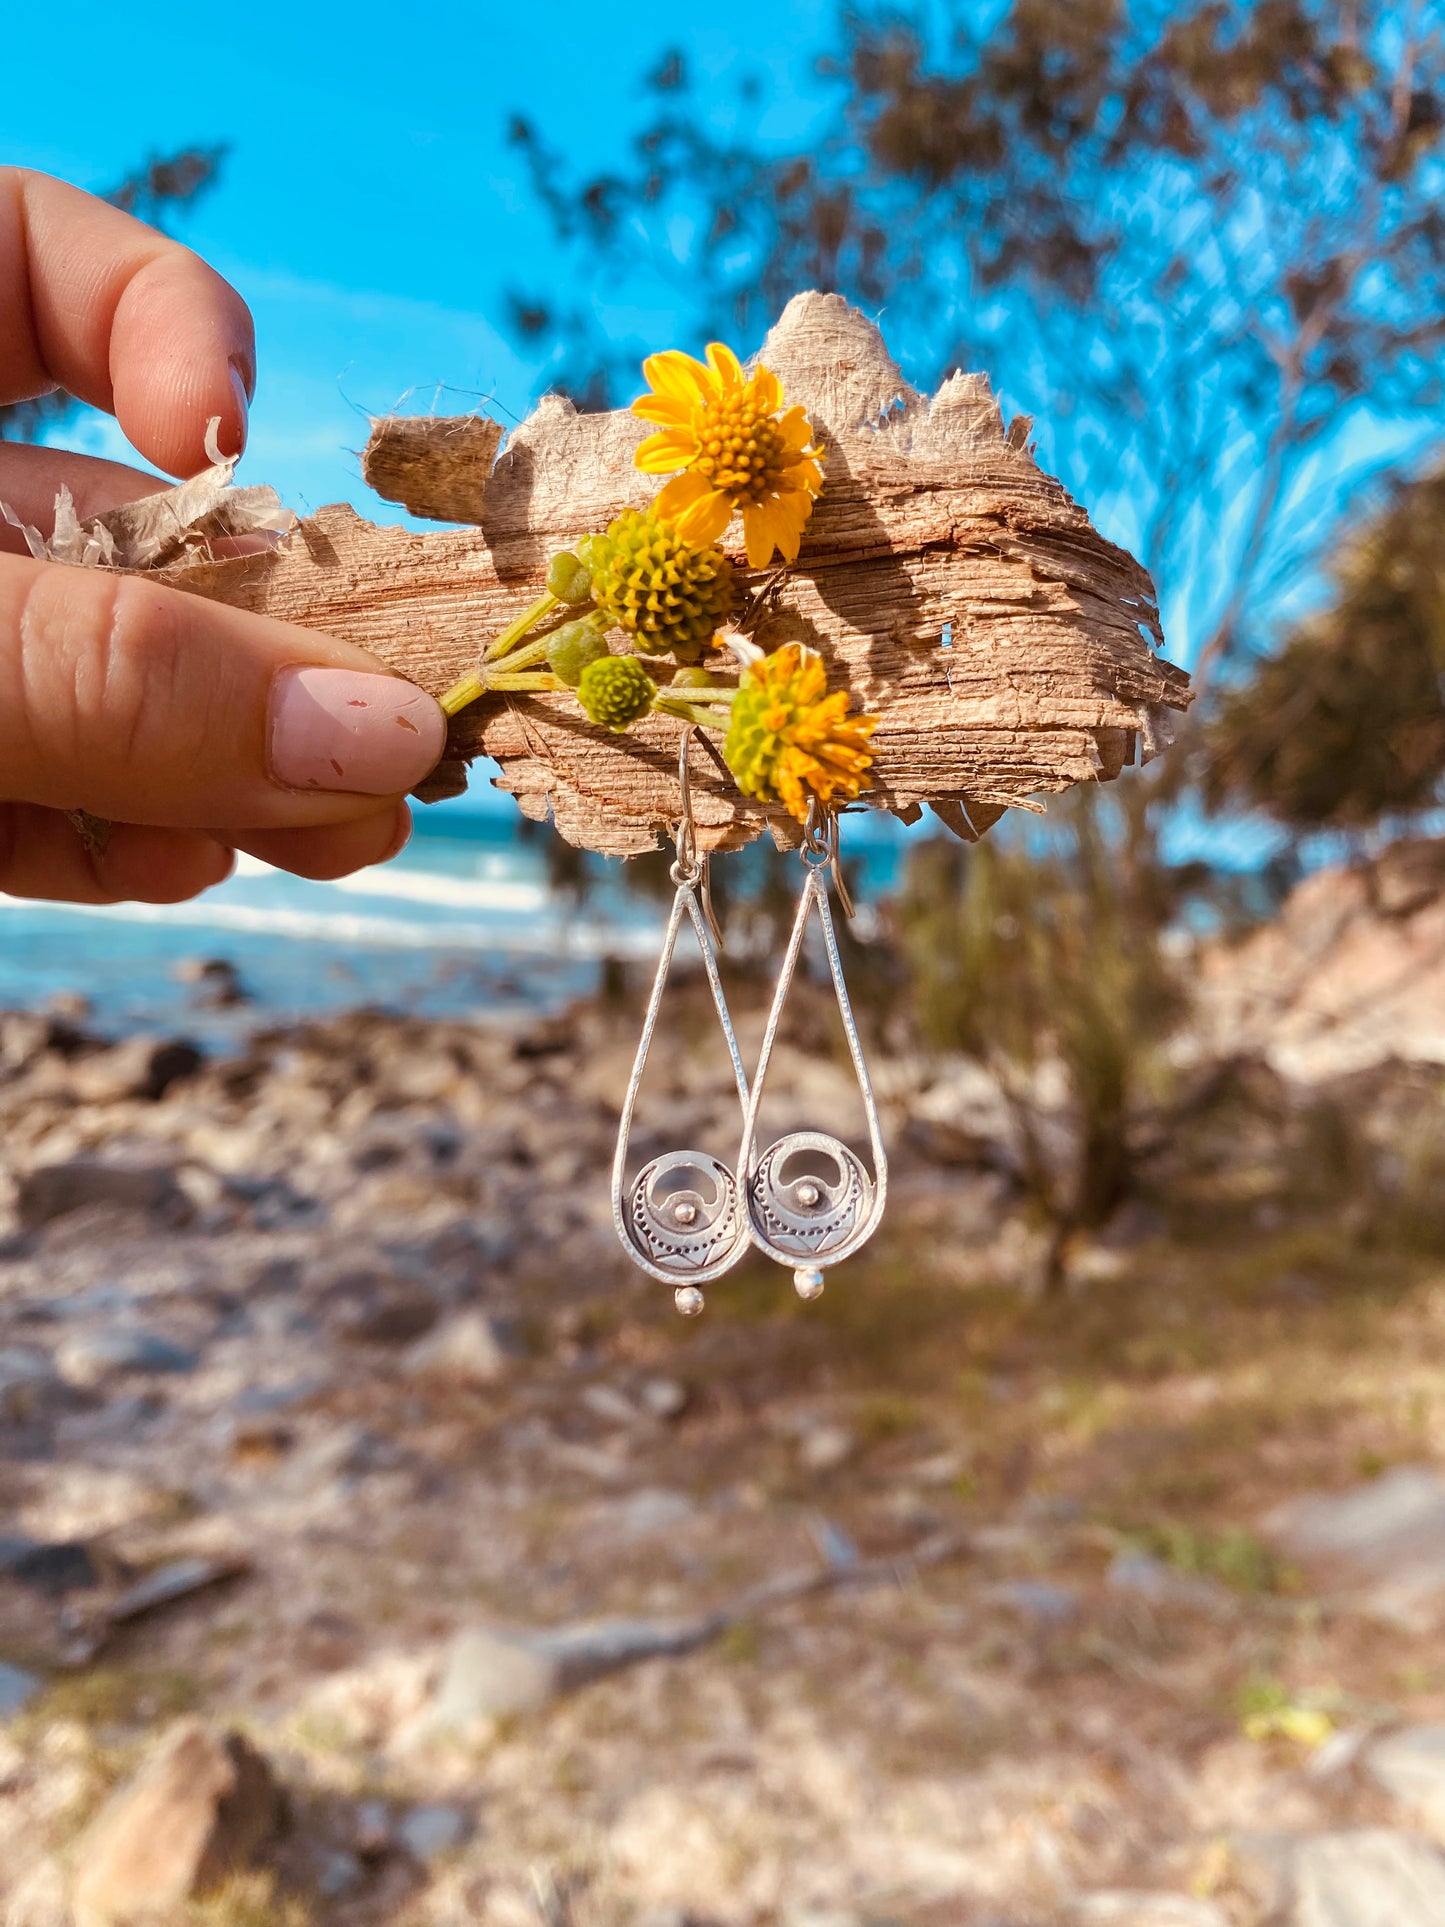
[(681, 1218), (808, 1200)]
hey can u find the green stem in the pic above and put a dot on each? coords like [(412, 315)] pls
[(485, 682), (695, 710), (513, 634)]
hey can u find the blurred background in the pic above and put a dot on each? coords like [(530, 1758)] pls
[(368, 1532)]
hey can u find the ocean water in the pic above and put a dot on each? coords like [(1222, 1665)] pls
[(464, 923)]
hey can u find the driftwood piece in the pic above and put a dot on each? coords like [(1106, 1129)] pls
[(951, 585)]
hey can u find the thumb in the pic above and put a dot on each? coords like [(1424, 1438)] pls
[(135, 701)]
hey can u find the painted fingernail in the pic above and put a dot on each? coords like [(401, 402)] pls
[(341, 729)]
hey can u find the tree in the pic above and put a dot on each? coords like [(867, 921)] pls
[(153, 193), (1202, 242)]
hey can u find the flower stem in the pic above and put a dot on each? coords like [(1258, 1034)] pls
[(485, 682), (503, 644), (695, 709)]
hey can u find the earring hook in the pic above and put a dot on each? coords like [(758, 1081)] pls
[(688, 867)]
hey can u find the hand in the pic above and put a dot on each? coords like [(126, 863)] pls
[(196, 729)]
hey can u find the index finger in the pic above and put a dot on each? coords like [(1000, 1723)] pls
[(94, 301)]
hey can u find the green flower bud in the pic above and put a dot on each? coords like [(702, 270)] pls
[(615, 691), (568, 579), (695, 677), (572, 647)]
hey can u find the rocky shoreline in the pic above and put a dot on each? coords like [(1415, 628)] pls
[(371, 1528)]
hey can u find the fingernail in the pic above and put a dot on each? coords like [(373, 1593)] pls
[(243, 407), (341, 729)]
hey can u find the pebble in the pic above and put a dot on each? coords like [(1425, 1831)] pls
[(140, 1067), (1392, 1531), (1368, 1878), (53, 1567), (469, 1349), (201, 1806), (1141, 1576), (1120, 1908), (428, 1832), (1410, 1767), (90, 1357), (823, 1448), (663, 1398), (17, 1689), (52, 1191)]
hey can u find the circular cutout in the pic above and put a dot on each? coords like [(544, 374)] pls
[(684, 1216), (810, 1199)]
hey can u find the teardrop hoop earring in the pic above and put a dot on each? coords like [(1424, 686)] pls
[(809, 1201), (681, 1218)]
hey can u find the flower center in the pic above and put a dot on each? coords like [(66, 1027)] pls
[(742, 452)]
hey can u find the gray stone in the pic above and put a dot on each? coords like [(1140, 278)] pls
[(1140, 1576), (607, 1403), (663, 1398), (1410, 1766), (1119, 1907), (201, 1807), (90, 1357), (176, 1579), (1369, 1878), (54, 1190), (30, 1386), (54, 1567), (17, 1689), (493, 1673), (823, 1448), (371, 1307), (143, 1067), (469, 1349), (1045, 1605), (429, 1832), (1391, 1532)]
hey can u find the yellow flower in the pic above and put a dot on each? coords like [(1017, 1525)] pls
[(737, 447), (788, 740)]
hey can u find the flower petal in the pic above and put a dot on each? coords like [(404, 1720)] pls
[(725, 365), (764, 530), (660, 454), (677, 377), (767, 390), (664, 409), (795, 428), (698, 513)]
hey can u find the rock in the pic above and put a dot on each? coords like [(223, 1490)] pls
[(470, 1349), (199, 1809), (1410, 1766), (52, 1191), (88, 1358), (53, 1567), (1391, 1533), (175, 1580), (491, 1673), (373, 1835), (1141, 1576), (663, 1398), (30, 1386), (823, 1448), (1036, 1600), (17, 1689), (215, 981), (428, 1832), (1119, 1908), (1369, 1878), (143, 1067), (610, 1405), (372, 1307)]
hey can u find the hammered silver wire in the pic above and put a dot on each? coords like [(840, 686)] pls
[(819, 854), (689, 870)]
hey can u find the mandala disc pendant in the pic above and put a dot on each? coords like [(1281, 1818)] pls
[(681, 1218), (809, 1200)]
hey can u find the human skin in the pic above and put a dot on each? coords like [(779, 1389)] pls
[(194, 729)]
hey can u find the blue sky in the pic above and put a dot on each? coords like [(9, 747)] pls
[(370, 211)]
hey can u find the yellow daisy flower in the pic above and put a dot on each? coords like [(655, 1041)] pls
[(788, 740), (738, 448)]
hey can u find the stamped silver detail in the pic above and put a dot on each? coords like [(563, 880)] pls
[(685, 1214)]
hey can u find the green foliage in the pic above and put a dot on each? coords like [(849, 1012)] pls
[(1026, 956), (1347, 723), (1235, 1558)]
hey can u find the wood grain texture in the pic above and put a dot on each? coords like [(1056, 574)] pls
[(934, 519)]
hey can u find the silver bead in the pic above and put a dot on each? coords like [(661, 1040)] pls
[(688, 1299), (808, 1194), (685, 1213), (808, 1282)]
